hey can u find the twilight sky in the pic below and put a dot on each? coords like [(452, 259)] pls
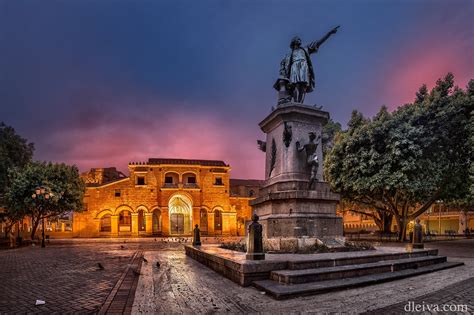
[(105, 82)]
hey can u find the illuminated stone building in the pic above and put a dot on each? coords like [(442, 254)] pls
[(165, 197)]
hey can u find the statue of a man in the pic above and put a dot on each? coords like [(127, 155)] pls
[(311, 157), (296, 70)]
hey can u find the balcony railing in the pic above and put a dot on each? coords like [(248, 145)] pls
[(180, 185)]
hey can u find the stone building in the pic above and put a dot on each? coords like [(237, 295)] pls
[(165, 197)]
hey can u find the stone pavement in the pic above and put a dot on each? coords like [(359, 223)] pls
[(460, 293), (65, 275), (182, 285)]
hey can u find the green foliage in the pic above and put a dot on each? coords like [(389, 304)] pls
[(401, 162), (328, 135), (62, 181), (15, 151)]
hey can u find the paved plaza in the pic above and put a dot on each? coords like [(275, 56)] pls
[(66, 276)]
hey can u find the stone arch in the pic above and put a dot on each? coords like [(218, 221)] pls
[(101, 213), (122, 208), (175, 175), (141, 220), (180, 209), (124, 213), (188, 174), (105, 220), (156, 220)]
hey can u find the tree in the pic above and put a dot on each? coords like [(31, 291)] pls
[(399, 163), (62, 181), (15, 151)]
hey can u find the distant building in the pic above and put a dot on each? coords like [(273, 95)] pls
[(165, 197), (439, 219)]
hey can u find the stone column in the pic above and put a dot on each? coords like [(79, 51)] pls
[(134, 223), (63, 227), (149, 223), (114, 225)]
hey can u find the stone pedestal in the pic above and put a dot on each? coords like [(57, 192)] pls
[(293, 216)]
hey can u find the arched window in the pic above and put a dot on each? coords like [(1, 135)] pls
[(156, 221), (105, 223)]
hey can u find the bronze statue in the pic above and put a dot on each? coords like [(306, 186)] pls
[(311, 157), (296, 70)]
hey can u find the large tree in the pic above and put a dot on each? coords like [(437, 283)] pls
[(60, 180), (15, 152), (399, 163)]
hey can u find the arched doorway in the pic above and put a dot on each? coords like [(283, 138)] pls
[(218, 222), (180, 212), (106, 223), (141, 221), (203, 221), (125, 221), (156, 221)]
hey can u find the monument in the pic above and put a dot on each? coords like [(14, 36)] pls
[(296, 207)]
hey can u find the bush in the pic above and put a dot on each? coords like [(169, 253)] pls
[(240, 247)]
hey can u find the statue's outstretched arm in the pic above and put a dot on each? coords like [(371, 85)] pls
[(314, 46)]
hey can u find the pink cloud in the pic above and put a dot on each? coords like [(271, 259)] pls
[(137, 137)]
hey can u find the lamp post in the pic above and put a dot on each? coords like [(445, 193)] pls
[(41, 195)]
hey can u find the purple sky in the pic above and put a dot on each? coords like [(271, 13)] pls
[(102, 83)]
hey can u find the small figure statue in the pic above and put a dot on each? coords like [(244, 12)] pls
[(311, 157), (296, 75), (197, 236), (255, 240), (287, 134)]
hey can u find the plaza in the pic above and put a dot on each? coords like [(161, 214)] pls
[(65, 276)]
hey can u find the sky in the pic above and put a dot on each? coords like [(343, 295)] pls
[(102, 83)]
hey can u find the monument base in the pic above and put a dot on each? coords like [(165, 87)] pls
[(255, 256), (296, 219)]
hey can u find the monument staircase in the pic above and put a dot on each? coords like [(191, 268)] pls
[(309, 277)]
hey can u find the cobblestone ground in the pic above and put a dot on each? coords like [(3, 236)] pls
[(182, 285), (65, 275)]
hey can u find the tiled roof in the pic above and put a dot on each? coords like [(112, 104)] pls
[(186, 162)]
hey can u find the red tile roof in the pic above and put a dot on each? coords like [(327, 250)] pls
[(186, 162)]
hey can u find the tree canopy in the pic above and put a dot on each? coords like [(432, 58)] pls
[(61, 181), (15, 151), (399, 163)]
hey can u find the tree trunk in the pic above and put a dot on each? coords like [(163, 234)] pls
[(387, 222), (400, 227), (35, 224)]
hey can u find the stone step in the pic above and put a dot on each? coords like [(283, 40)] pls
[(350, 271), (354, 260), (285, 291)]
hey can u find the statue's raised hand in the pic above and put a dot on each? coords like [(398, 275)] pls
[(334, 30)]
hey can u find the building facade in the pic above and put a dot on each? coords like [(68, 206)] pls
[(438, 219), (165, 197)]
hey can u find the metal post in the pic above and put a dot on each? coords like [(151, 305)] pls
[(42, 241)]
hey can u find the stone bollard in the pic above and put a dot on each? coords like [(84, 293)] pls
[(197, 236), (418, 235), (255, 241), (417, 239)]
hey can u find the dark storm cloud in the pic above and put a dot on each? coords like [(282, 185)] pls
[(104, 82)]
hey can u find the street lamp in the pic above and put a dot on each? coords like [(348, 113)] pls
[(41, 195)]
